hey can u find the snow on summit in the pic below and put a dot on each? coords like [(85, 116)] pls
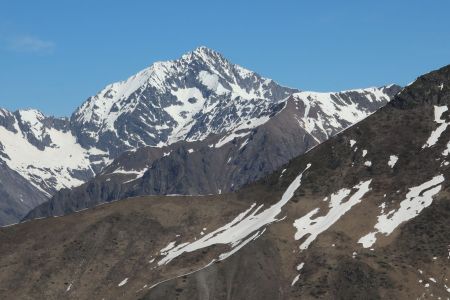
[(184, 99)]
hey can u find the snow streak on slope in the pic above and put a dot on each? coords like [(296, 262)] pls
[(246, 227), (417, 199), (297, 277), (310, 227), (438, 111)]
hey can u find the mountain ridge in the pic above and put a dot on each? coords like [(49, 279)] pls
[(199, 98)]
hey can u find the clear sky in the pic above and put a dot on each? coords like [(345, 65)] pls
[(55, 54)]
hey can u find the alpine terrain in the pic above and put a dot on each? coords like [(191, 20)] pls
[(196, 125), (362, 215)]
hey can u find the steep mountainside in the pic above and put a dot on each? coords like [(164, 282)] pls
[(220, 164), (363, 215), (17, 195), (201, 98)]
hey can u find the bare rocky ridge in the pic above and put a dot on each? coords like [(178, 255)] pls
[(362, 215)]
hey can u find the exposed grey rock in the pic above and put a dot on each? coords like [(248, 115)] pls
[(250, 244), (17, 196)]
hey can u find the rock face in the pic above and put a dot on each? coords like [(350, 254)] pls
[(17, 195), (362, 215), (200, 99)]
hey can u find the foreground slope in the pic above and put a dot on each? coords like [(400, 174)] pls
[(362, 215)]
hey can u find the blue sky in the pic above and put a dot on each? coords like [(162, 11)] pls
[(55, 54)]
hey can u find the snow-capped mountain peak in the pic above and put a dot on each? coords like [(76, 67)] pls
[(190, 98), (203, 53)]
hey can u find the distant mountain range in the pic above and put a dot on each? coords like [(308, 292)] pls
[(362, 215), (196, 125)]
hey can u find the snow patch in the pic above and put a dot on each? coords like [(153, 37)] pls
[(417, 199), (435, 134), (295, 279), (123, 282), (211, 81), (168, 247), (69, 287), (392, 161)]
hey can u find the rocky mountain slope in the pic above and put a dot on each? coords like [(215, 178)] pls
[(17, 195), (362, 215), (199, 101)]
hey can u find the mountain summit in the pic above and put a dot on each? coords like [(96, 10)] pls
[(191, 98)]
